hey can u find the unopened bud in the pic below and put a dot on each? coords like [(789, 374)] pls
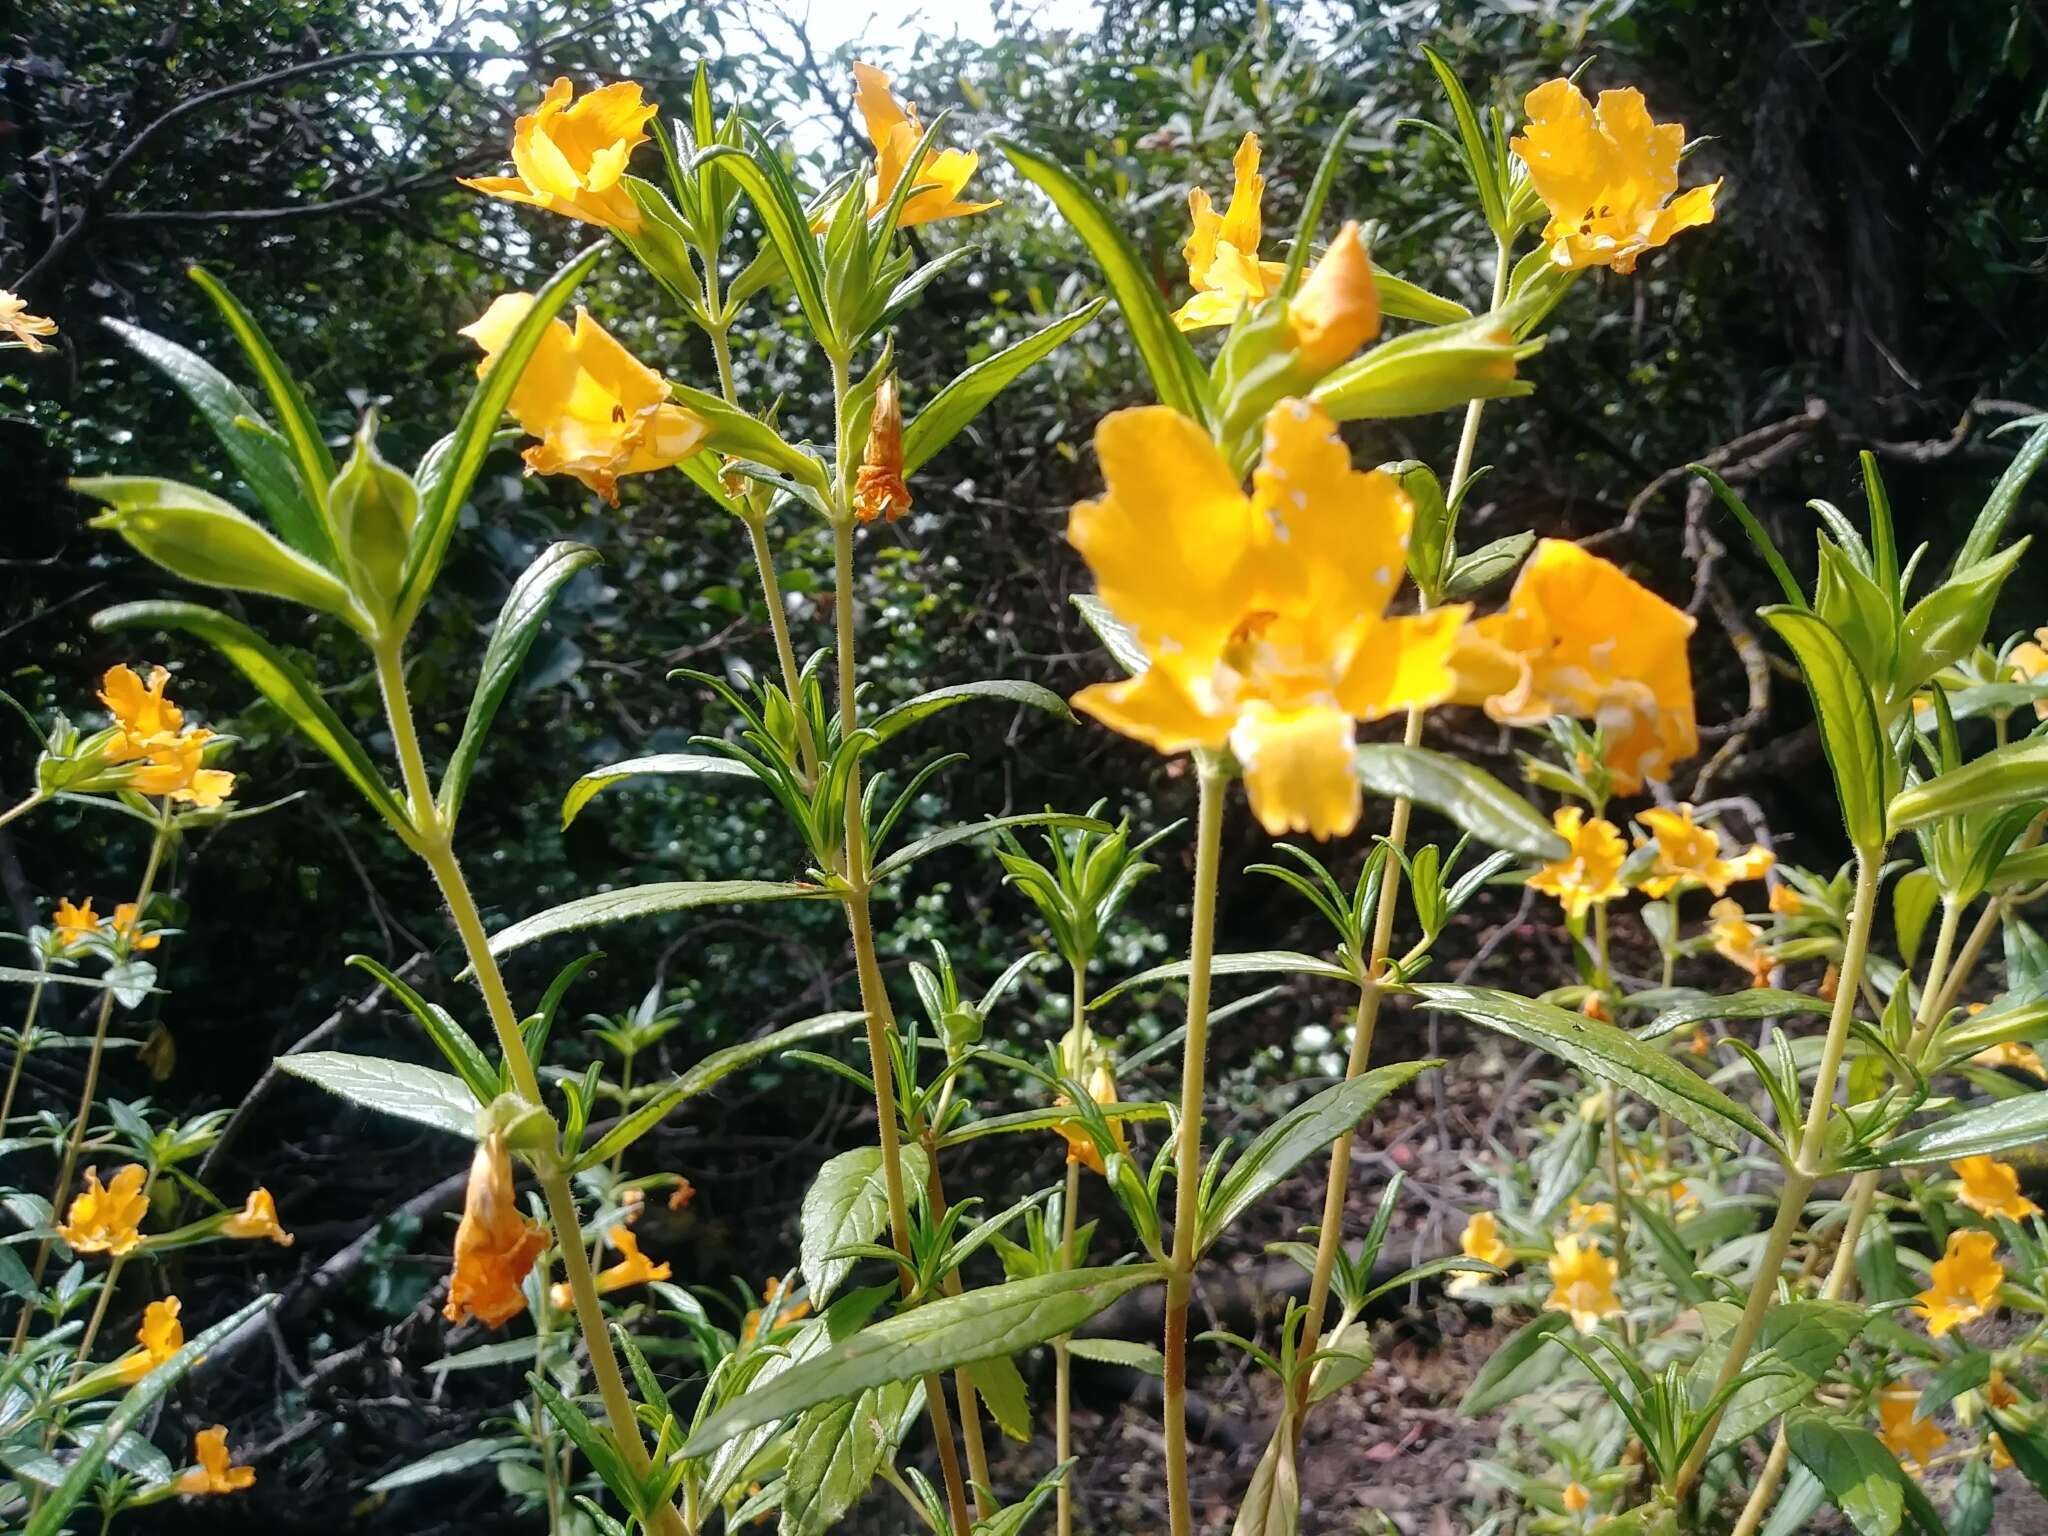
[(1337, 309), (879, 490), (372, 507), (1427, 371)]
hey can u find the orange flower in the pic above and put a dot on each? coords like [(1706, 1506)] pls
[(777, 1315), (71, 925), (571, 157), (1737, 940), (19, 327), (1786, 900), (1576, 1499), (495, 1245), (107, 1219), (682, 1194), (1223, 249), (878, 487), (894, 130), (1081, 1147), (126, 926), (1963, 1284), (173, 769), (1480, 1240), (214, 1474), (1582, 1283), (1688, 852), (257, 1218), (1992, 1188), (2010, 1053), (1591, 872), (1903, 1431), (631, 1203), (161, 1336), (145, 716), (633, 1268), (1336, 311)]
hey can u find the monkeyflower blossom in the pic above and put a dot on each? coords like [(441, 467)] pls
[(1904, 1433), (1963, 1283), (1580, 637), (161, 1336), (1591, 872), (571, 155), (1480, 1240), (878, 487), (1336, 311), (1991, 1188), (1575, 1498), (495, 1245), (1263, 616), (937, 180), (127, 925), (2011, 1053), (169, 756), (107, 1219), (72, 924), (599, 412), (776, 1313), (215, 1472), (1582, 1283), (2027, 662), (1688, 853), (1739, 941), (1607, 173), (19, 327), (1786, 900), (257, 1219), (633, 1268), (1223, 250), (1098, 1071)]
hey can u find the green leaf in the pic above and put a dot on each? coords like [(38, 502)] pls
[(593, 1440), (1264, 962), (1138, 1357), (1949, 622), (443, 492), (637, 901), (1758, 537), (767, 185), (1308, 1128), (1755, 1003), (1995, 1127), (1474, 799), (1042, 1119), (139, 1400), (462, 1053), (262, 458), (1990, 523), (1001, 1386), (953, 407), (1601, 1050), (1272, 1503), (1969, 1508), (519, 621), (910, 853), (1473, 573), (835, 1450), (1117, 637), (2024, 1442), (486, 1356), (704, 1076), (736, 433), (1860, 1475), (1915, 894), (1527, 1360), (2011, 775), (848, 1203), (1805, 1338), (913, 711), (278, 681), (1849, 727), (315, 460), (939, 1336), (396, 1088), (587, 788), (1177, 374), (453, 1458), (1403, 300), (1472, 140)]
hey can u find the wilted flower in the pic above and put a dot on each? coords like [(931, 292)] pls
[(21, 328), (1223, 251), (1264, 616), (1688, 852), (495, 1245), (1963, 1283), (1991, 1188), (570, 157), (1582, 1281), (937, 180), (1579, 637), (1739, 941), (599, 412), (878, 488), (1606, 173), (107, 1219), (214, 1474), (1575, 1498), (161, 1336), (257, 1218), (1480, 1240), (682, 1194), (1903, 1431), (1591, 872)]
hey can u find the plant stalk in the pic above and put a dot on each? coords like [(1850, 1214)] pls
[(1062, 1356), (22, 806), (22, 1045)]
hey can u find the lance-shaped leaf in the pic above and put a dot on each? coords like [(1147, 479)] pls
[(1474, 799), (950, 837), (954, 1331), (278, 681), (952, 408), (396, 1088), (637, 901), (1264, 962), (848, 1203), (1803, 1339), (2011, 775), (835, 1451), (736, 433), (1862, 1478), (519, 621), (1002, 690), (1989, 1128), (767, 185), (1117, 637), (1756, 1003), (1601, 1050), (1042, 1119), (461, 1052), (593, 783), (1177, 374), (1849, 728), (309, 447), (1990, 523)]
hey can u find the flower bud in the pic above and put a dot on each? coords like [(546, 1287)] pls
[(879, 490), (1337, 309), (372, 507), (1427, 371)]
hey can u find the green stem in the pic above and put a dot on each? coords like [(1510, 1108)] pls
[(1187, 1166), (1802, 1171), (24, 1041), (785, 651), (22, 806), (1062, 1356)]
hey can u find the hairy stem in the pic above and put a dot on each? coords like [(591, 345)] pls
[(1062, 1356)]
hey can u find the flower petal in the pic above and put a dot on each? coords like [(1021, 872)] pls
[(1298, 768)]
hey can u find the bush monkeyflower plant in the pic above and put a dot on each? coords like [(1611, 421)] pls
[(1269, 600)]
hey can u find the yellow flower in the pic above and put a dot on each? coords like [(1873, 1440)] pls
[(1992, 1188), (1579, 637), (1736, 940), (1480, 1240), (1607, 173), (1223, 251), (25, 329), (173, 769), (1964, 1282), (776, 1313), (147, 719), (214, 1474), (1584, 1218), (599, 412), (894, 130), (570, 157), (1687, 851), (71, 925), (1264, 615), (1998, 1392), (1336, 310), (1081, 1147), (2010, 1053), (161, 1336), (1576, 1499), (1786, 900), (107, 1219), (1591, 872), (1582, 1281), (633, 1268), (1903, 1431), (126, 924), (878, 488), (257, 1218), (632, 1203), (2028, 662), (494, 1245)]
